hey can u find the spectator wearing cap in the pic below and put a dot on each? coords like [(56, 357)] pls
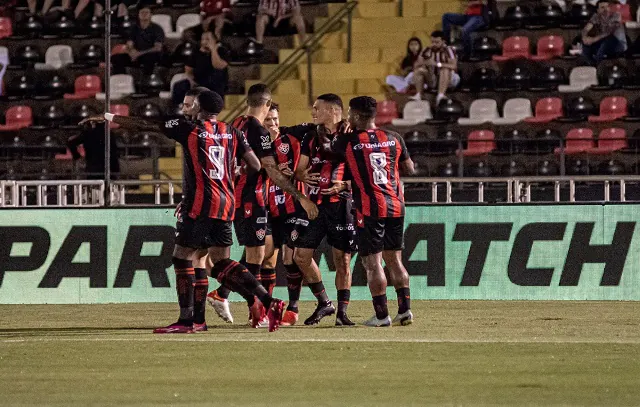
[(144, 47), (277, 11), (436, 68), (402, 82), (474, 18), (603, 35)]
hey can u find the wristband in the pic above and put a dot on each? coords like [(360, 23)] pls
[(109, 117)]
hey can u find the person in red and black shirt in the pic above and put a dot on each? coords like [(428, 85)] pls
[(436, 68), (251, 193), (374, 159), (323, 174), (204, 224)]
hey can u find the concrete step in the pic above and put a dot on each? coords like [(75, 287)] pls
[(369, 9), (389, 24), (169, 163), (266, 69), (347, 71), (284, 87)]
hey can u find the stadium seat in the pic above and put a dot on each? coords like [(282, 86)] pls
[(31, 28), (187, 21), (387, 111), (119, 49), (610, 77), (164, 21), (611, 167), (580, 78), (21, 87), (623, 9), (182, 54), (547, 109), (414, 112), (478, 169), (547, 168), (96, 27), (514, 111), (176, 78), (578, 109), (448, 111), (447, 142), (481, 111), (611, 108), (548, 79), (512, 142), (151, 85), (51, 117), (549, 47), (56, 57), (52, 88), (121, 86), (513, 77), (77, 114), (120, 110), (149, 111), (514, 17), (483, 48), (609, 141), (513, 169), (481, 80), (545, 141), (86, 86), (63, 27), (479, 142), (577, 141), (91, 55), (16, 118), (514, 47), (27, 56), (546, 16), (578, 16), (6, 27)]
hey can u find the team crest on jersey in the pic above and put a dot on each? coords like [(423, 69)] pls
[(260, 233), (294, 235), (284, 148)]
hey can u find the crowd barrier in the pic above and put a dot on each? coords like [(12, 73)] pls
[(492, 252)]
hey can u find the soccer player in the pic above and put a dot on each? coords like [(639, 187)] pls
[(373, 159), (204, 226), (323, 172), (251, 193)]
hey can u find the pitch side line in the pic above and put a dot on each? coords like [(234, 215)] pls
[(182, 338)]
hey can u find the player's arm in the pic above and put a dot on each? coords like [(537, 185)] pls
[(282, 181), (406, 163), (303, 172), (245, 152), (127, 122)]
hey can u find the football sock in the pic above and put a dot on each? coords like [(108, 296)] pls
[(268, 279), (223, 292), (380, 306), (404, 300), (254, 269), (294, 285), (200, 295), (229, 286), (185, 282), (343, 301), (319, 292), (236, 275)]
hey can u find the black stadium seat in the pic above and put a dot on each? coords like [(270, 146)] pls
[(21, 87), (514, 17), (26, 56), (578, 109), (481, 80), (53, 87), (514, 77), (513, 168), (548, 78)]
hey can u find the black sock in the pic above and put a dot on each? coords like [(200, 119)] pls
[(223, 292), (235, 274), (200, 295), (185, 282), (343, 301), (294, 285), (320, 293), (404, 300), (380, 306), (254, 269), (268, 279), (218, 271)]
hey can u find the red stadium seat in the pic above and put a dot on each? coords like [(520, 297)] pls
[(119, 49), (387, 111), (120, 110), (479, 142), (6, 27), (547, 109), (623, 9), (549, 47), (514, 47), (86, 86), (578, 141), (16, 118), (610, 140), (611, 108)]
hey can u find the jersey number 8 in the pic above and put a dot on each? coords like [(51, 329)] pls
[(216, 156), (379, 163)]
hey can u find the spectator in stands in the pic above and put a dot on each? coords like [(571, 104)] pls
[(603, 35), (98, 7), (474, 18), (144, 47), (402, 82), (208, 67), (92, 138), (7, 8), (215, 11), (279, 10), (436, 68), (47, 6)]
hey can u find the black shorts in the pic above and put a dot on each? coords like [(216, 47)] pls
[(335, 221), (281, 228), (251, 226), (378, 234), (203, 233)]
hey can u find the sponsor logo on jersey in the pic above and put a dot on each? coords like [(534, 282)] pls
[(266, 142), (283, 148), (206, 134), (171, 123), (261, 219), (294, 235), (260, 233), (369, 146)]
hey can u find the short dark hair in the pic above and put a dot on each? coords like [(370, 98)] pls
[(365, 106), (258, 95), (210, 102), (437, 34), (196, 91), (142, 4), (275, 106), (331, 98), (602, 1)]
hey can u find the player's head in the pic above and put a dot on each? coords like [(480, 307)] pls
[(272, 121), (327, 109), (437, 39), (362, 112), (190, 105), (259, 99), (210, 104)]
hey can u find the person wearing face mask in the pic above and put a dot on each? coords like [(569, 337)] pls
[(402, 82)]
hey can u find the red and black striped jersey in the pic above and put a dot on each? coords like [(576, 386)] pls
[(324, 162), (286, 150), (210, 150), (253, 188), (372, 158)]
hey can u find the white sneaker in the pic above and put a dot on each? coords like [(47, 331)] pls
[(417, 96), (406, 318), (374, 321), (220, 306), (264, 323)]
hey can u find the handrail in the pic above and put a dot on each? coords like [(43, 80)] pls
[(305, 49)]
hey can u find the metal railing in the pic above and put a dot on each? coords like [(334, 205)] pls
[(37, 194), (307, 49), (118, 192)]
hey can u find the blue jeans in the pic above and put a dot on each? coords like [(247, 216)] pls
[(607, 46), (469, 24)]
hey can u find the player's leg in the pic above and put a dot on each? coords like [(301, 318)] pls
[(294, 286), (200, 262), (341, 237), (268, 266), (342, 261), (261, 25), (218, 24), (370, 233), (393, 243)]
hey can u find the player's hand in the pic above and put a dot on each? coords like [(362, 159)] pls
[(310, 178), (286, 171), (92, 120), (309, 207), (134, 54), (338, 186), (344, 127)]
